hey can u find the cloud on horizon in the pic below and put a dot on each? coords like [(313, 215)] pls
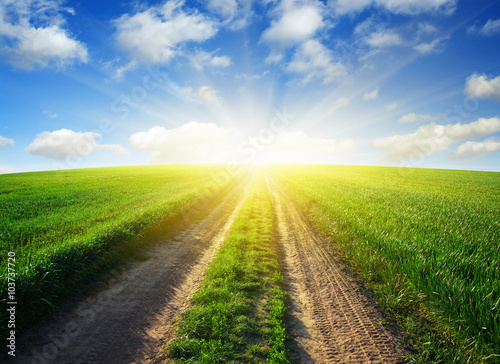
[(64, 143), (191, 142), (432, 138), (469, 150)]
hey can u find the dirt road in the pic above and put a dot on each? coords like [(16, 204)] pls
[(131, 320), (331, 320)]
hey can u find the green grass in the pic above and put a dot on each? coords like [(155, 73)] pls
[(67, 227), (427, 242), (237, 315)]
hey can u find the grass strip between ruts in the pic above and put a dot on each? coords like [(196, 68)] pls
[(237, 314)]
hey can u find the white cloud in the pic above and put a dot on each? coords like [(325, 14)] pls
[(371, 95), (491, 28), (435, 45), (294, 27), (6, 142), (64, 143), (432, 138), (425, 29), (296, 146), (314, 60), (476, 149), (124, 69), (50, 114), (225, 8), (153, 36), (203, 59), (36, 36), (478, 86), (415, 118), (7, 169), (391, 107), (234, 14), (341, 103), (192, 142), (384, 38), (203, 93), (411, 7)]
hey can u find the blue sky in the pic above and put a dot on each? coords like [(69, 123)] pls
[(411, 83)]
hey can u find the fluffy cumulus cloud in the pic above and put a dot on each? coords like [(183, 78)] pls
[(192, 142), (154, 35), (432, 138), (297, 146), (203, 59), (35, 35), (296, 25), (415, 118), (411, 7), (476, 149), (6, 142), (478, 86), (64, 143), (314, 60)]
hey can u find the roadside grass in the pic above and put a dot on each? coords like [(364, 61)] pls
[(69, 227), (237, 314), (425, 242)]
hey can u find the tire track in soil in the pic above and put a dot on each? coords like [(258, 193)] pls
[(332, 319), (133, 319)]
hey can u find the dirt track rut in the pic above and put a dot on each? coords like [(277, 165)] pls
[(332, 319), (132, 319)]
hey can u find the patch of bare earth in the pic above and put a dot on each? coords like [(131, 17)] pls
[(132, 320), (332, 319)]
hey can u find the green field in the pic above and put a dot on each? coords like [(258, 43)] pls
[(62, 225), (237, 315), (409, 232), (425, 242)]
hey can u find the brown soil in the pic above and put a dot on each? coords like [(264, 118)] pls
[(332, 319), (133, 319)]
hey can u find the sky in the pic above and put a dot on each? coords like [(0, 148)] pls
[(404, 83)]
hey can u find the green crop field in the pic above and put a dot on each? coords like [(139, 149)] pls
[(425, 242), (420, 237), (62, 225)]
